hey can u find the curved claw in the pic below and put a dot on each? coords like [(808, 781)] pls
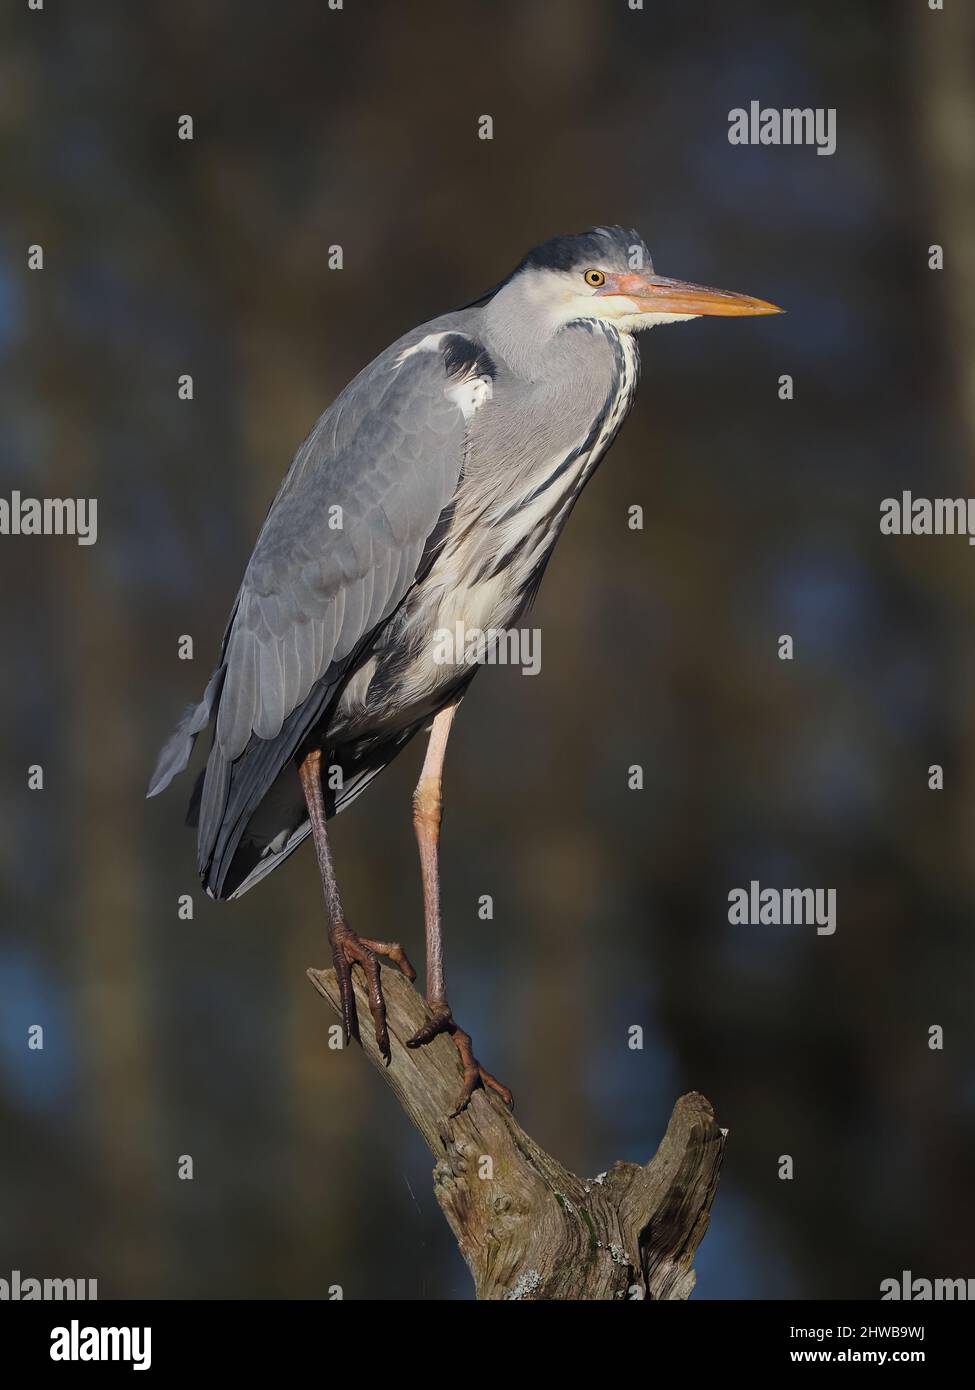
[(349, 949), (475, 1076)]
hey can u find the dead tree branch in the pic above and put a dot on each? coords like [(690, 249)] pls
[(527, 1227)]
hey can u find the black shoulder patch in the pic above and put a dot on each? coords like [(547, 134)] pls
[(464, 356)]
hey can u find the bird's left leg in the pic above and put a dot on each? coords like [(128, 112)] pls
[(348, 948), (427, 816)]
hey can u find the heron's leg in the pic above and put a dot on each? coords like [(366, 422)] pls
[(347, 947), (427, 817)]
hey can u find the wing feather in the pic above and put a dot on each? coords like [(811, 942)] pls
[(383, 463), (387, 484)]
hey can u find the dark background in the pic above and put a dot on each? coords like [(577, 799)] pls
[(165, 1037)]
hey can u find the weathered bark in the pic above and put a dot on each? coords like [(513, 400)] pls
[(527, 1227)]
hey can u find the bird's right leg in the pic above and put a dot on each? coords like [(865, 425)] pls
[(427, 815), (347, 947)]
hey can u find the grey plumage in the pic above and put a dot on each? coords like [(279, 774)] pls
[(451, 463), (387, 455)]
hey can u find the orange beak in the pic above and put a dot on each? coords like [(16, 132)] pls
[(658, 294)]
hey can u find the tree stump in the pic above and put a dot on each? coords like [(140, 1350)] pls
[(527, 1227)]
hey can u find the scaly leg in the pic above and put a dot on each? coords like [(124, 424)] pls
[(347, 947), (427, 815)]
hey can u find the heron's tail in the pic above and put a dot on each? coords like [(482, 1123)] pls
[(243, 837), (175, 752)]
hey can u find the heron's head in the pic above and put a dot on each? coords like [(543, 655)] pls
[(604, 274)]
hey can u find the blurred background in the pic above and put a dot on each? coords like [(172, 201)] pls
[(165, 1037)]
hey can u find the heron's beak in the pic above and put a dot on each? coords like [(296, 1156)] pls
[(658, 294)]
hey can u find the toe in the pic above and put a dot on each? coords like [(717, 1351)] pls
[(491, 1083), (475, 1075), (472, 1080), (377, 1005), (394, 952), (440, 1021), (343, 975)]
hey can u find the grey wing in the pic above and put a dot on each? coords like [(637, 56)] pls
[(337, 553), (342, 542)]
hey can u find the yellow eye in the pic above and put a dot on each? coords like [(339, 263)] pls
[(594, 278)]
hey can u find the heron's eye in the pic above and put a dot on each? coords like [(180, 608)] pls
[(594, 278)]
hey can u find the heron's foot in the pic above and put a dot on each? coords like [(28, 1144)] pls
[(349, 949), (474, 1074)]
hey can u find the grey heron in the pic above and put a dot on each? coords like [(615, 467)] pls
[(430, 493)]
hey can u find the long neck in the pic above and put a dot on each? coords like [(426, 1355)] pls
[(525, 330), (527, 466), (557, 427)]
